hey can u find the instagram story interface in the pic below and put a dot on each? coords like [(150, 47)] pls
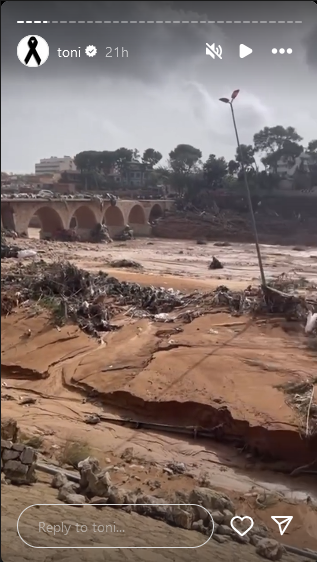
[(159, 281)]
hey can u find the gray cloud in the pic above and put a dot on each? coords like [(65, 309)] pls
[(310, 43), (166, 92)]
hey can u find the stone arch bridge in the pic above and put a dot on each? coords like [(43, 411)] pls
[(82, 214)]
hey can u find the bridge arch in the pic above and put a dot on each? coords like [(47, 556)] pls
[(50, 221), (7, 217), (136, 215), (113, 216), (156, 212), (83, 218)]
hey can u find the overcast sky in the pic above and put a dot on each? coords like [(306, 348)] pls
[(166, 92)]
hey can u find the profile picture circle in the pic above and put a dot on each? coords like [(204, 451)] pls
[(33, 51)]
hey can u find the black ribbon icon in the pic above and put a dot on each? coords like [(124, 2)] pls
[(32, 43)]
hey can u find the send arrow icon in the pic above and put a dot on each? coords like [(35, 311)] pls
[(283, 522), (244, 51)]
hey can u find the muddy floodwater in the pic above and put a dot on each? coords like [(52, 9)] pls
[(223, 358)]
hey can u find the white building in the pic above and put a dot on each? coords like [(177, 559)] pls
[(286, 167), (55, 165)]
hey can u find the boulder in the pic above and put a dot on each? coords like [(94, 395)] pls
[(98, 484), (259, 530), (255, 539), (118, 496), (218, 517), (220, 538), (270, 549), (227, 516), (179, 516), (150, 506), (59, 480), (75, 498), (9, 429), (225, 530), (211, 500), (66, 490)]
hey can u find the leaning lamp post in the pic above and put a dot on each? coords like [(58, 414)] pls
[(255, 232)]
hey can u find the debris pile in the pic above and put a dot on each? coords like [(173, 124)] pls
[(6, 250), (66, 235), (215, 264), (126, 263), (100, 234), (126, 234), (92, 300)]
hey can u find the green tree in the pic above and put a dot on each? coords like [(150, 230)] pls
[(215, 170), (107, 160), (151, 157), (276, 143), (122, 156), (233, 167), (183, 158), (245, 155), (312, 150), (87, 161)]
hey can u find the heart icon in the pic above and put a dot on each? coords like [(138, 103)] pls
[(241, 519)]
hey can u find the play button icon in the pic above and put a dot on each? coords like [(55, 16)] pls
[(244, 51)]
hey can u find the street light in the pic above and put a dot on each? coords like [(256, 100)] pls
[(255, 232)]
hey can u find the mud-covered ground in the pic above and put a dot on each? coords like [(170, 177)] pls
[(223, 366)]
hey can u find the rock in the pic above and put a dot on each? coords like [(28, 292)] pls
[(98, 484), (225, 530), (59, 480), (227, 516), (259, 530), (215, 264), (92, 419), (27, 400), (201, 242), (240, 539), (18, 473), (179, 517), (199, 526), (167, 470), (127, 454), (5, 444), (18, 447), (177, 467), (220, 538), (31, 475), (66, 490), (222, 244), (10, 454), (153, 484), (255, 539), (211, 500), (15, 466), (218, 517), (9, 429), (98, 502), (75, 498), (149, 506), (28, 455), (89, 463), (117, 496), (270, 549)]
